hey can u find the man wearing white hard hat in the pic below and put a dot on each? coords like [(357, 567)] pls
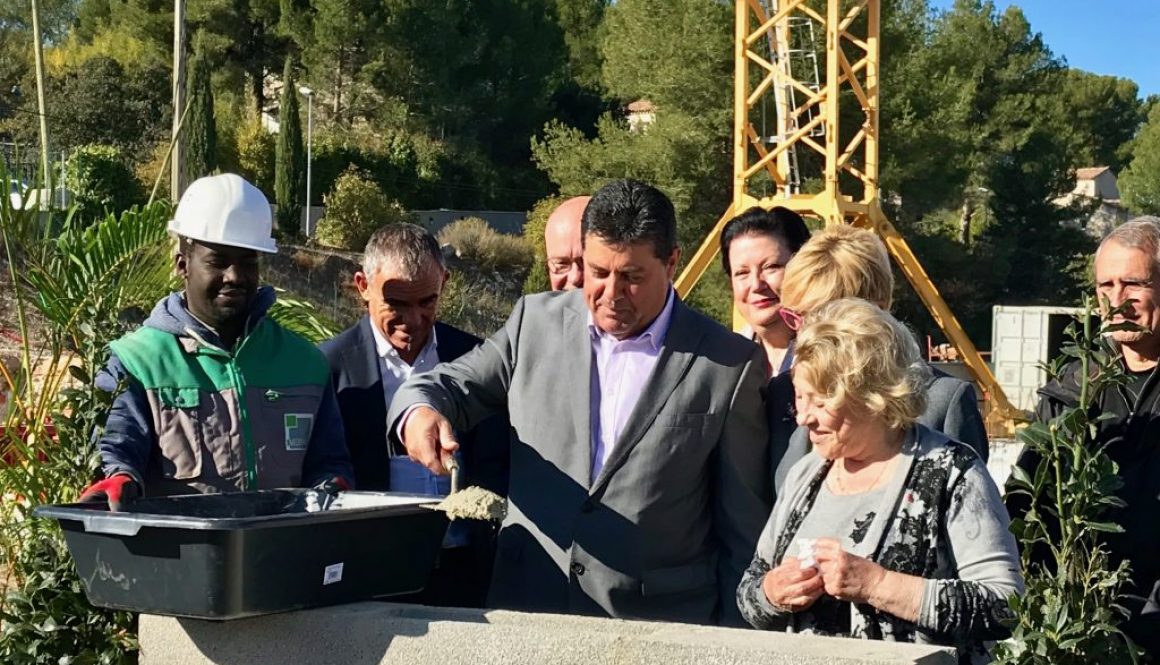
[(214, 396)]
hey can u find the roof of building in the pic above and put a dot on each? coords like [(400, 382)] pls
[(1090, 172)]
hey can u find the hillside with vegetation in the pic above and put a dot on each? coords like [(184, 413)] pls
[(499, 104)]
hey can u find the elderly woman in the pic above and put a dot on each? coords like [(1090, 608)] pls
[(848, 262), (755, 247), (887, 529)]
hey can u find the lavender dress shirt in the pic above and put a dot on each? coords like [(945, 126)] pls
[(622, 369)]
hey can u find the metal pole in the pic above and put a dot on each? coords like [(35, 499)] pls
[(309, 149), (41, 106), (177, 159)]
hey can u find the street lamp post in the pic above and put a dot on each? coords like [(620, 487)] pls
[(309, 148)]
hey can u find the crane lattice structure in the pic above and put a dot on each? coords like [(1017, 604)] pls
[(772, 65)]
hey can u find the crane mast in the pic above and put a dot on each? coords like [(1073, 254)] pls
[(774, 46)]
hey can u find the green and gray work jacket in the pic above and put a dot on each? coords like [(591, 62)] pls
[(193, 417)]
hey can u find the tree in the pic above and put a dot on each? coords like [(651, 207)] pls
[(99, 102), (200, 126), (1140, 182), (579, 21), (676, 54), (290, 158), (346, 35), (1105, 112)]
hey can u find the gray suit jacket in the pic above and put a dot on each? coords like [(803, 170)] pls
[(951, 408), (666, 529)]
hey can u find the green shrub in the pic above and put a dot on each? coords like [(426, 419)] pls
[(537, 280), (101, 181), (476, 242), (256, 155), (354, 209)]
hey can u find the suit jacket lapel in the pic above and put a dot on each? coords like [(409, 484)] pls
[(575, 366), (676, 356), (363, 360)]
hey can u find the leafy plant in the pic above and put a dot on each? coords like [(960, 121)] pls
[(80, 282), (1070, 612), (256, 154), (101, 181), (355, 208)]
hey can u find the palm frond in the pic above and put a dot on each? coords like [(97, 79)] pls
[(301, 317)]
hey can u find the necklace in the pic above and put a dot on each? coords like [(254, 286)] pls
[(843, 489)]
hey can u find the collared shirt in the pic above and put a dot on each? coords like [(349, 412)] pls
[(394, 370), (622, 369)]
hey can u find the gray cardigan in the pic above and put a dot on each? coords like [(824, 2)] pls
[(941, 519), (951, 408)]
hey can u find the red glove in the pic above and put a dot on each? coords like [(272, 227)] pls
[(333, 486), (118, 490)]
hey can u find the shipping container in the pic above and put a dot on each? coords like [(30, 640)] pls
[(1022, 340)]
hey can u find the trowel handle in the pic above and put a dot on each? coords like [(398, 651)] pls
[(452, 465)]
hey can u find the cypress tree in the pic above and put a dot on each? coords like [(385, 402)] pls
[(290, 158), (200, 129)]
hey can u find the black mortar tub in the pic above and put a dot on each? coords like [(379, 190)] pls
[(226, 556)]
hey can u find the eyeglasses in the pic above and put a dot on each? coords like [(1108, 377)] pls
[(791, 318), (563, 266)]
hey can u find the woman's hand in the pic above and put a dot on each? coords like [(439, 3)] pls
[(789, 587), (847, 576)]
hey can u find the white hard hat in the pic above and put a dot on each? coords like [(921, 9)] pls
[(225, 210)]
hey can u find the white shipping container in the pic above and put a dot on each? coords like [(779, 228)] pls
[(1022, 338)]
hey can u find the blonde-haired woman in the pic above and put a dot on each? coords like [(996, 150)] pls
[(848, 262), (886, 529)]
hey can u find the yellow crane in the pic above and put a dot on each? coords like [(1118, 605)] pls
[(776, 64)]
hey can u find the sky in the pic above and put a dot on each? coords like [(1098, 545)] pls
[(1112, 37)]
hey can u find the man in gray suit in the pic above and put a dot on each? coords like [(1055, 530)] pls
[(639, 465)]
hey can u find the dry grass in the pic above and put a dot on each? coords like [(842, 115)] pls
[(477, 243)]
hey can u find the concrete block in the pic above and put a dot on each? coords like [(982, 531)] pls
[(391, 634)]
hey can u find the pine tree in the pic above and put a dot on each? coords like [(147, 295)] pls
[(290, 159), (200, 126)]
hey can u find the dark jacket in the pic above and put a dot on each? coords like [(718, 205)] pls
[(1132, 438), (212, 430), (356, 375)]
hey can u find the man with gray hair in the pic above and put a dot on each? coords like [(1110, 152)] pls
[(1127, 272), (402, 279)]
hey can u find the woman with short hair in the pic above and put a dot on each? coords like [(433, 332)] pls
[(886, 529), (847, 262)]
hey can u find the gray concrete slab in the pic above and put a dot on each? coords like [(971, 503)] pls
[(390, 634)]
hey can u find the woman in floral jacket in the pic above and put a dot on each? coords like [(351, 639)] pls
[(886, 530)]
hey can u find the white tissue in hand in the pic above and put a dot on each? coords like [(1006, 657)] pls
[(806, 547)]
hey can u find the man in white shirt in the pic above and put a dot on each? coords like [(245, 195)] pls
[(402, 280)]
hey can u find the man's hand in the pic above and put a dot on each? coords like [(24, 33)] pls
[(790, 587), (117, 490), (429, 439), (847, 576)]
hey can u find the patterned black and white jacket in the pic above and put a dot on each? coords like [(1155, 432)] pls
[(941, 519)]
